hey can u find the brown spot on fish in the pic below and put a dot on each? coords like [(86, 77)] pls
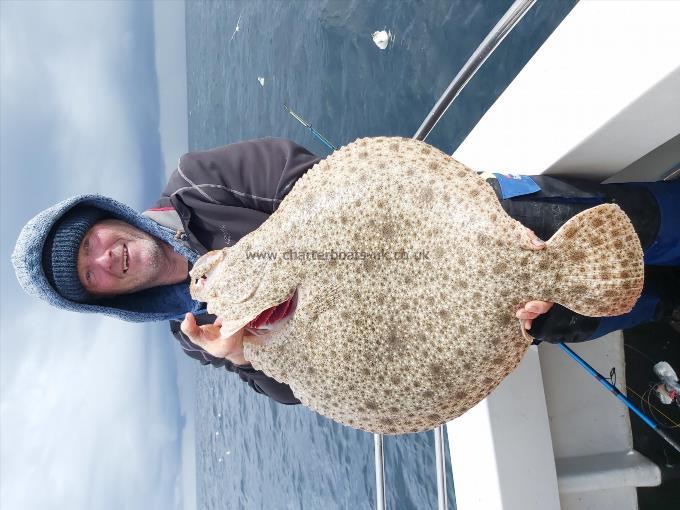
[(387, 230), (426, 194), (579, 289), (371, 405), (501, 267), (570, 231), (577, 256), (436, 369)]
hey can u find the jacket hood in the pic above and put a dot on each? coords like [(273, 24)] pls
[(155, 304)]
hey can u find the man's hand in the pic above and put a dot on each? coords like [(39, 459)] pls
[(531, 240), (209, 337), (532, 310)]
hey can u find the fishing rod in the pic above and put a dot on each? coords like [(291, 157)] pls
[(314, 132), (615, 391)]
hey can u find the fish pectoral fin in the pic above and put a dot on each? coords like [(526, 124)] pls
[(228, 328)]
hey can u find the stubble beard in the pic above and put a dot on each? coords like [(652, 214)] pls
[(153, 261)]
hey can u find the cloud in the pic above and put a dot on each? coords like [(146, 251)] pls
[(66, 93), (91, 413), (172, 80), (92, 420)]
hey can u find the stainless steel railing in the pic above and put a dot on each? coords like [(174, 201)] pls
[(379, 472), (442, 500), (509, 20)]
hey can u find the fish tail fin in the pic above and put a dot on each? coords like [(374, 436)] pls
[(600, 270)]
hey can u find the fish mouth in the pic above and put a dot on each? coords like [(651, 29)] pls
[(273, 318)]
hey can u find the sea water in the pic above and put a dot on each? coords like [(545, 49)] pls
[(319, 57)]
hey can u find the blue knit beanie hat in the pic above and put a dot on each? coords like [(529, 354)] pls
[(60, 253), (168, 302)]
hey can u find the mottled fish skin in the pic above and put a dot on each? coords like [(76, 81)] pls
[(399, 346)]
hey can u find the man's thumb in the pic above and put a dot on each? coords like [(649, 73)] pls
[(189, 326)]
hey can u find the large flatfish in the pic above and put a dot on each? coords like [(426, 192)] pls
[(404, 273)]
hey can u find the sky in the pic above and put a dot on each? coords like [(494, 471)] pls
[(94, 412)]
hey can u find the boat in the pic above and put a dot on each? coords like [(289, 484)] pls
[(599, 100)]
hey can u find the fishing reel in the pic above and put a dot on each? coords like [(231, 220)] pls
[(667, 389)]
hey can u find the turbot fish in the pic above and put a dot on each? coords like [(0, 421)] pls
[(383, 289)]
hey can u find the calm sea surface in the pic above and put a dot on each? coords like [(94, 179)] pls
[(319, 58)]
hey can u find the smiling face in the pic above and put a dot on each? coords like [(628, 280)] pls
[(117, 258)]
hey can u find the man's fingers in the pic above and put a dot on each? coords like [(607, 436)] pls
[(189, 326), (537, 243), (538, 307), (531, 241), (532, 310), (525, 315)]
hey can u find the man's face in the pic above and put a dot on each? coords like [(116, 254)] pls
[(117, 258)]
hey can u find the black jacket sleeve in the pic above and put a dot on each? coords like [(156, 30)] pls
[(560, 324), (254, 174), (256, 379), (225, 193)]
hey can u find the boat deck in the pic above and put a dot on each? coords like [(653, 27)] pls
[(644, 346), (598, 100)]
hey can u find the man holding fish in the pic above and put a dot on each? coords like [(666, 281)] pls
[(93, 254)]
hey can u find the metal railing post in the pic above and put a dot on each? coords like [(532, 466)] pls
[(379, 472), (442, 502), (489, 44)]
